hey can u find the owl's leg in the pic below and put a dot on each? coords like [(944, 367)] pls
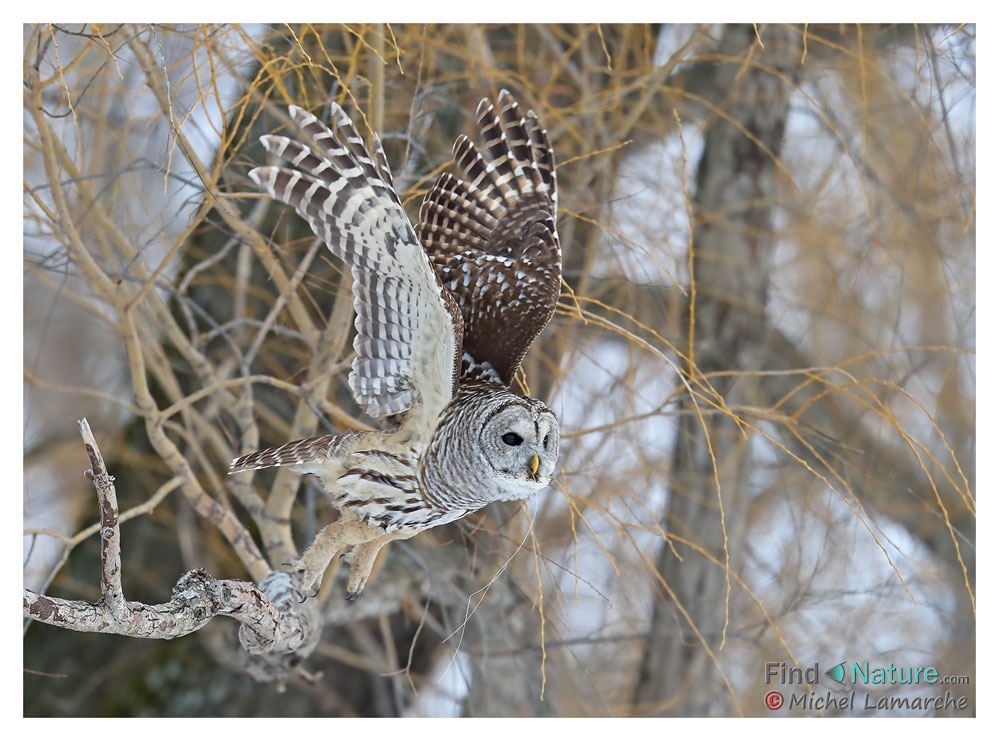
[(361, 561), (345, 532)]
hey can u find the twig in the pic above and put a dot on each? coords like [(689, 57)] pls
[(145, 508)]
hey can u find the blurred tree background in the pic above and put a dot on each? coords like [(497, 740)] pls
[(762, 360)]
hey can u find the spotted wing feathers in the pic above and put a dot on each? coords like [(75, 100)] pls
[(492, 238), (408, 329)]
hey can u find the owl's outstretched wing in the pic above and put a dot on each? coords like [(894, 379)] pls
[(492, 238), (408, 328)]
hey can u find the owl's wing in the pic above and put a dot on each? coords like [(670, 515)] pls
[(408, 328), (491, 236)]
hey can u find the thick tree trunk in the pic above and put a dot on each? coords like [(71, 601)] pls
[(733, 248)]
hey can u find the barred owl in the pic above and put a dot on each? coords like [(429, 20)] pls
[(445, 313)]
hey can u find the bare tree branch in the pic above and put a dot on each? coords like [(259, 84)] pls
[(273, 618)]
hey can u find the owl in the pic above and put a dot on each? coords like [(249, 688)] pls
[(445, 313)]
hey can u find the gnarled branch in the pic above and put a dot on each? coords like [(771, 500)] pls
[(274, 619)]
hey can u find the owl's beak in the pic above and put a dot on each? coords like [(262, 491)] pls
[(533, 465)]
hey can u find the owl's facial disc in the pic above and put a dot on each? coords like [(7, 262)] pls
[(521, 444)]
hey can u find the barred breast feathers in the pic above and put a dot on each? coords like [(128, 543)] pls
[(379, 486), (408, 328)]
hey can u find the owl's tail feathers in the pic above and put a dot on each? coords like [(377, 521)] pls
[(295, 453)]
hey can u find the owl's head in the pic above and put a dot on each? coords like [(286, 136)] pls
[(490, 445), (519, 440)]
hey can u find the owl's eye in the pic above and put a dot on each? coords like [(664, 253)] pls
[(512, 439), (545, 441)]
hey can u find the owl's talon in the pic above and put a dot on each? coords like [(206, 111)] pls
[(351, 596), (309, 579), (315, 593)]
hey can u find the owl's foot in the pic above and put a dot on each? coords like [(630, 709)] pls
[(315, 593), (344, 533), (357, 579), (362, 559), (310, 573), (332, 538)]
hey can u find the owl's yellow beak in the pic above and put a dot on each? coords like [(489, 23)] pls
[(533, 464)]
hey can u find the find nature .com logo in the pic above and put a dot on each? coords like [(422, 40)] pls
[(864, 675)]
